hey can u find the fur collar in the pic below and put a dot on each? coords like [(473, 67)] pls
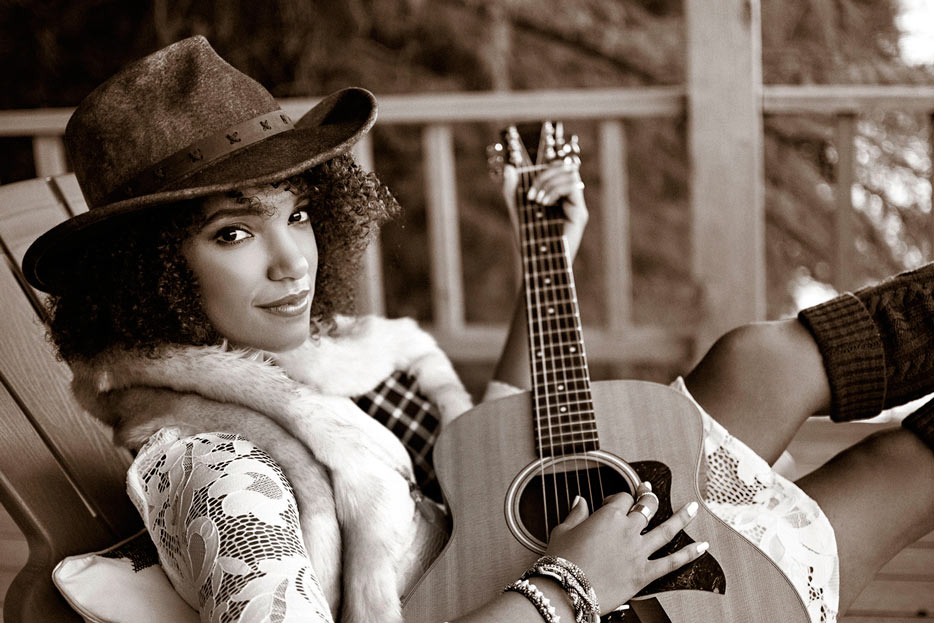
[(301, 395)]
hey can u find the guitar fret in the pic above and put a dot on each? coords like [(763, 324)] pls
[(568, 428), (567, 405), (565, 387), (561, 360), (565, 397), (559, 377), (555, 438)]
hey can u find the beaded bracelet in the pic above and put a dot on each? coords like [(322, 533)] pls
[(573, 581), (538, 599)]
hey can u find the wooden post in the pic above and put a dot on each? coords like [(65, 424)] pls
[(49, 155), (371, 298), (724, 81), (447, 283), (844, 248)]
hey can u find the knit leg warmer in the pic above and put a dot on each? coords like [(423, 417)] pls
[(878, 348)]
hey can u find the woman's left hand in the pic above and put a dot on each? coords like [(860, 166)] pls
[(561, 182)]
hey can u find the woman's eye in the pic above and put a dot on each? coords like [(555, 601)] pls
[(230, 235), (299, 216)]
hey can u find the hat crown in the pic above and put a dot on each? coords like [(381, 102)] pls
[(154, 108)]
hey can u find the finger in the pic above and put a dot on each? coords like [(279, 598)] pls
[(566, 184), (618, 503), (666, 564), (668, 529), (579, 512)]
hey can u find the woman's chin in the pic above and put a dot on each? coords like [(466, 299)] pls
[(278, 343)]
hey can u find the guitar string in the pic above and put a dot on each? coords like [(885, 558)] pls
[(544, 363), (578, 327), (543, 236), (576, 341), (522, 201), (549, 231)]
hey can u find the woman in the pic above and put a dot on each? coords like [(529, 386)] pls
[(202, 293)]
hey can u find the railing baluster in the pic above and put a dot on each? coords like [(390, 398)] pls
[(371, 299), (447, 287), (844, 252), (614, 184), (929, 255), (49, 155)]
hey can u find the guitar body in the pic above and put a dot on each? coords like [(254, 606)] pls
[(479, 455)]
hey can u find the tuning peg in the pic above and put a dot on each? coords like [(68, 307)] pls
[(572, 151), (548, 139), (495, 160)]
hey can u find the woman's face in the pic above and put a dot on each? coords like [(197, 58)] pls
[(255, 259)]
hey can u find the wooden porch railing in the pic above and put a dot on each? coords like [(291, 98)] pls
[(619, 340)]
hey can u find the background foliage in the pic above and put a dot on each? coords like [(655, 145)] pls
[(55, 52)]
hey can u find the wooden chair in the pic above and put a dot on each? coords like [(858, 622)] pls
[(61, 479)]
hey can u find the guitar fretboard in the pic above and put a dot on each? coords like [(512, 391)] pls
[(561, 397)]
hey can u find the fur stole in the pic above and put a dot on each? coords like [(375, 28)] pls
[(345, 467)]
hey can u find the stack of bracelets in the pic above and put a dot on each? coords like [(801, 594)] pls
[(571, 578)]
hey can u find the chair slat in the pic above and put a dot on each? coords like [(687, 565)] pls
[(55, 520), (31, 207), (40, 384)]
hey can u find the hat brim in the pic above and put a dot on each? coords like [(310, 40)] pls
[(329, 129)]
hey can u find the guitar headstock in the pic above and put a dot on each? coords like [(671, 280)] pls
[(548, 139)]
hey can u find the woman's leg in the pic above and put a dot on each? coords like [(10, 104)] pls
[(879, 497), (761, 382)]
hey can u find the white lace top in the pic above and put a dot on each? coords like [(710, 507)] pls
[(225, 523)]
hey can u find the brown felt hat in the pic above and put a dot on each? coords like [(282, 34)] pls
[(183, 123)]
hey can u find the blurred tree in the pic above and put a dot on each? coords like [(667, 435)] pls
[(56, 51)]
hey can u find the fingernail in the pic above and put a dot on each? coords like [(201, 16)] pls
[(692, 509), (647, 485), (577, 500), (702, 547), (531, 194)]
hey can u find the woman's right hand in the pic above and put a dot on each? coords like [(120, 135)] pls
[(609, 547)]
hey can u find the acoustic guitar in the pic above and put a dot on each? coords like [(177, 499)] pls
[(510, 468)]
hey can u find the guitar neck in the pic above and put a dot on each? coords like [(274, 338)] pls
[(562, 401)]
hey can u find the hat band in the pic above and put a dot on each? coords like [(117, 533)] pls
[(201, 153)]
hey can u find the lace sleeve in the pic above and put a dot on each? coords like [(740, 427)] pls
[(225, 522)]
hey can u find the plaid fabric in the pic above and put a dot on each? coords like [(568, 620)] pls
[(397, 405)]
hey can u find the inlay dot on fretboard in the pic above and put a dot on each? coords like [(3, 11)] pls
[(572, 349), (561, 387), (547, 281), (563, 409), (543, 248), (551, 310)]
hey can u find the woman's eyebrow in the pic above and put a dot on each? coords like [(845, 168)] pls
[(241, 210)]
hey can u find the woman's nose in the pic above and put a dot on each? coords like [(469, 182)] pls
[(288, 258)]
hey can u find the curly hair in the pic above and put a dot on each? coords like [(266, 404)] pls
[(133, 288)]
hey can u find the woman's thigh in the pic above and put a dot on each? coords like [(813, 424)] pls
[(761, 382), (879, 497)]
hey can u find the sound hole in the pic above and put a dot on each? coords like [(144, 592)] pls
[(546, 498)]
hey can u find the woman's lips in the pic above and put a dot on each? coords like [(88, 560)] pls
[(292, 305)]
